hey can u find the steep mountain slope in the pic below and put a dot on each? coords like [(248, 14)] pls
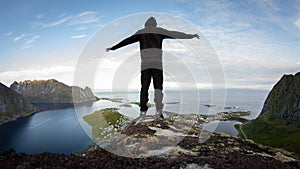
[(284, 99), (13, 105), (278, 125)]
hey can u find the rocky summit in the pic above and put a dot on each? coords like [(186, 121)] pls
[(150, 142), (52, 91), (284, 99), (278, 125), (13, 105)]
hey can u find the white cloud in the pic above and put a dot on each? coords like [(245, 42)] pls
[(179, 13), (251, 58), (9, 33), (63, 73), (247, 53), (16, 39), (78, 36), (175, 48), (241, 24), (297, 23), (55, 23), (87, 17), (81, 28), (280, 14), (268, 5), (204, 85), (28, 43), (39, 16)]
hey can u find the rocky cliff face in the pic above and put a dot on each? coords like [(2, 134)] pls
[(13, 105), (278, 125), (284, 99), (52, 91)]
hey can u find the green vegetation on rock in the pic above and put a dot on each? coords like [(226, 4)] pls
[(278, 125), (138, 103), (111, 115), (235, 116), (105, 122), (240, 119), (274, 131)]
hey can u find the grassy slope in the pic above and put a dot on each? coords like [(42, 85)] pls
[(275, 132), (240, 119), (101, 118)]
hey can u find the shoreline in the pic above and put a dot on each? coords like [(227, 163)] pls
[(103, 131), (220, 151), (70, 105), (50, 106)]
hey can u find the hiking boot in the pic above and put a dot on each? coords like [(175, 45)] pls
[(143, 113), (159, 114)]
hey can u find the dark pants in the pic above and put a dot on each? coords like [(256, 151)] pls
[(146, 76)]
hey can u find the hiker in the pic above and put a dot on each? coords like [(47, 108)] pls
[(150, 39)]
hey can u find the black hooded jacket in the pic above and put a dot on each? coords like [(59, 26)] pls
[(150, 39)]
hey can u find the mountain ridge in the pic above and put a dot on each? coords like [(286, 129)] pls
[(278, 125), (284, 99), (52, 91)]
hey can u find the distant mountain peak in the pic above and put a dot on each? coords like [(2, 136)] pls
[(52, 91), (39, 81), (278, 125), (284, 99), (2, 86)]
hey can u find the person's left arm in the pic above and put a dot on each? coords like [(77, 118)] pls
[(178, 35)]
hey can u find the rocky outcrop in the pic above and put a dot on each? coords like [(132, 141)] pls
[(152, 140), (52, 91), (284, 99), (278, 125), (82, 95), (13, 105)]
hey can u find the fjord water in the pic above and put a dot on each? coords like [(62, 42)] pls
[(48, 131), (60, 131)]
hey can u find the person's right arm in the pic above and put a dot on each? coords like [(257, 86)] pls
[(127, 41)]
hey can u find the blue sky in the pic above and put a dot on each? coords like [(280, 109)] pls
[(257, 41)]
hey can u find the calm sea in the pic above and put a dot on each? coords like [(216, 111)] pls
[(64, 131)]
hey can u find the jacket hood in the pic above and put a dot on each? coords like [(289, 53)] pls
[(151, 22)]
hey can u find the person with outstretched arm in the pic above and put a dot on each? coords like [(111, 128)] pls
[(150, 39)]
